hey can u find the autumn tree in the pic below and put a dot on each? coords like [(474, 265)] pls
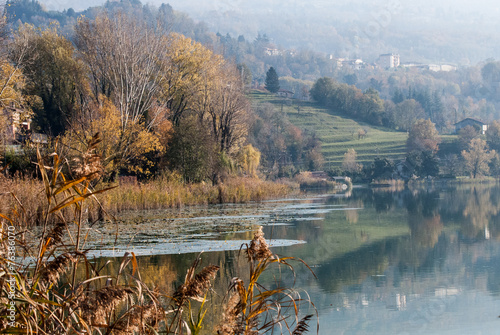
[(493, 135), (381, 168), (466, 135), (105, 118), (491, 72), (350, 100), (189, 71), (350, 163), (477, 157), (406, 113), (272, 80), (12, 82), (322, 89), (451, 165), (423, 163), (248, 159), (192, 150), (127, 62), (226, 108), (283, 146), (126, 59), (52, 73), (351, 79), (200, 83), (423, 136), (370, 106), (313, 156)]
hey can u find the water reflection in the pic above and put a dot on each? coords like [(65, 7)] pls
[(387, 261)]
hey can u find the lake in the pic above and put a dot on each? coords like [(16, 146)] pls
[(420, 261)]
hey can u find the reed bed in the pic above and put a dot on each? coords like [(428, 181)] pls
[(308, 182), (160, 193), (27, 191), (164, 193)]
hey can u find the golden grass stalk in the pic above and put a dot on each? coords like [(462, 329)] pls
[(194, 288), (52, 271), (253, 309), (136, 319), (97, 306)]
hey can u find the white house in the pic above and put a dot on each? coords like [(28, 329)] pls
[(389, 61), (482, 126)]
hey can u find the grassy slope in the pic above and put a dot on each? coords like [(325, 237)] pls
[(338, 133)]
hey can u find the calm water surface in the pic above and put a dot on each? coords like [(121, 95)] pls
[(387, 262)]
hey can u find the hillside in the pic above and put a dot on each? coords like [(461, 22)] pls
[(338, 133)]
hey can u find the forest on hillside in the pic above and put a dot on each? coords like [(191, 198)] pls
[(166, 103), (470, 91)]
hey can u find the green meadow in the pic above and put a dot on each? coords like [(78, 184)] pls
[(338, 133)]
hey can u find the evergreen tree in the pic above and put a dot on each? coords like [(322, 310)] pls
[(272, 81), (398, 96), (437, 110)]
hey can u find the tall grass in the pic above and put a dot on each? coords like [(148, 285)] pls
[(25, 191), (308, 182), (49, 286), (160, 193), (253, 309), (166, 192)]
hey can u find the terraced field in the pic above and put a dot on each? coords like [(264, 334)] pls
[(338, 133)]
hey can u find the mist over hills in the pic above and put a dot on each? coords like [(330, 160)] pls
[(459, 32)]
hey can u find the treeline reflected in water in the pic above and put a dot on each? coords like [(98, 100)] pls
[(456, 229), (369, 246), (357, 235)]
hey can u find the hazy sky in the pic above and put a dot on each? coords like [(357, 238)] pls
[(483, 6)]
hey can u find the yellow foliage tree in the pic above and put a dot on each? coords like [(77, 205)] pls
[(477, 157), (248, 159), (121, 148), (189, 70), (11, 84)]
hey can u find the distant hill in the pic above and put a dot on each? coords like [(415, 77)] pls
[(461, 32)]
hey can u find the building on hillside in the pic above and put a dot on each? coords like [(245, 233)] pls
[(480, 125), (442, 67), (356, 64), (415, 65), (353, 64), (431, 67), (273, 52), (389, 61), (16, 125), (285, 93)]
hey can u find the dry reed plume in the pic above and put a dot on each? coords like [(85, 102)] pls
[(252, 309)]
